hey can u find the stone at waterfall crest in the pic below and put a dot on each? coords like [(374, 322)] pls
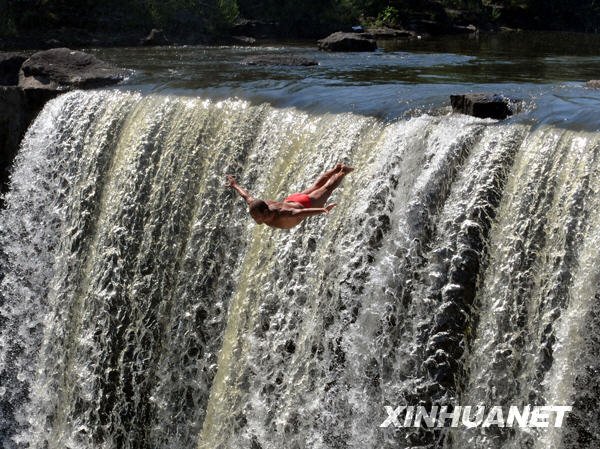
[(64, 69)]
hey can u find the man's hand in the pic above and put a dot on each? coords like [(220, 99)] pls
[(329, 207), (230, 181)]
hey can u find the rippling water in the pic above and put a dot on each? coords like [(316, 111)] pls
[(402, 78)]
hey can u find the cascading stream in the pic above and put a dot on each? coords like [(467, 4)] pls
[(142, 308)]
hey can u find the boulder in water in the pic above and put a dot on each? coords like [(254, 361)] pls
[(485, 105), (10, 64), (594, 84), (287, 60), (341, 41), (246, 40), (155, 38), (64, 69), (255, 28), (387, 33)]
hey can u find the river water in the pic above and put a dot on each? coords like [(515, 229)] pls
[(142, 308), (404, 78)]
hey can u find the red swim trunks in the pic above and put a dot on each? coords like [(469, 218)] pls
[(301, 198)]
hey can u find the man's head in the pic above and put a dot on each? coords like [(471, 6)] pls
[(259, 210)]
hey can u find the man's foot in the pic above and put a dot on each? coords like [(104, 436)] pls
[(346, 169)]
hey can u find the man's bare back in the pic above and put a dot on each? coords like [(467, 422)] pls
[(291, 211)]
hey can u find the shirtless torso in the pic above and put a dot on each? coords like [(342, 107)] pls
[(289, 214)]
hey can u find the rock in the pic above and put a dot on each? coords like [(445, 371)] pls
[(64, 69), (155, 38), (255, 28), (387, 33), (485, 105), (10, 64), (341, 41), (287, 60), (460, 29), (244, 40), (594, 84)]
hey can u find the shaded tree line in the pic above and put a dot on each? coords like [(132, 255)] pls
[(204, 16), (295, 18), (568, 15)]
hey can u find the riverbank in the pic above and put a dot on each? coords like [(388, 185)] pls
[(235, 22)]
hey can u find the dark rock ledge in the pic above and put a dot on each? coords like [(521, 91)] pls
[(64, 69), (364, 39)]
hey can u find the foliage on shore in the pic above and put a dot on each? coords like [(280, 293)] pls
[(294, 18), (205, 16)]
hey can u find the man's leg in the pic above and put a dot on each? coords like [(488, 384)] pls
[(323, 179), (320, 196)]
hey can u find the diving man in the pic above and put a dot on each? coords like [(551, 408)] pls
[(296, 207)]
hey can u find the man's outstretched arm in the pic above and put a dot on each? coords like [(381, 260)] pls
[(241, 191), (310, 211)]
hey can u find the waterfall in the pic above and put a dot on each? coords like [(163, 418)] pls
[(141, 307)]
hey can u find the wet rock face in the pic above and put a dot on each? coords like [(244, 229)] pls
[(341, 41), (281, 60), (10, 64), (64, 69), (484, 105)]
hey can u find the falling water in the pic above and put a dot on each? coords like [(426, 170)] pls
[(142, 308)]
